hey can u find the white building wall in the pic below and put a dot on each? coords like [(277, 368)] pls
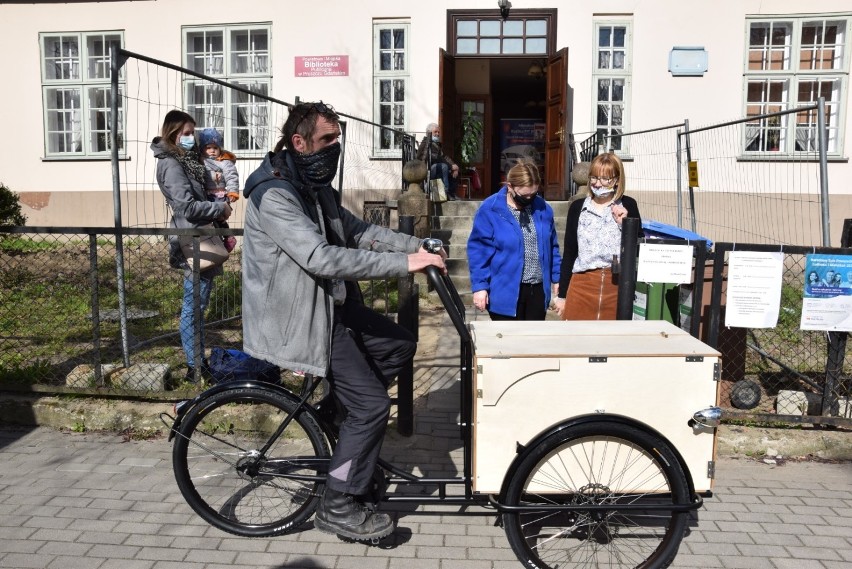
[(76, 192)]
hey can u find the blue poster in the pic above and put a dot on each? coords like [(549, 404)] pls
[(828, 276), (827, 299)]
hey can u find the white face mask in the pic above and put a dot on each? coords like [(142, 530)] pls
[(436, 138), (602, 192)]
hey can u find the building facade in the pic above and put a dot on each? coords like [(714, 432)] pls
[(540, 78)]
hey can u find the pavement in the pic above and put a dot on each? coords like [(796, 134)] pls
[(100, 500)]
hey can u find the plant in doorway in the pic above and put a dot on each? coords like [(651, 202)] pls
[(470, 144)]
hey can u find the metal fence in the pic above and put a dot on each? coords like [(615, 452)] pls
[(739, 190)]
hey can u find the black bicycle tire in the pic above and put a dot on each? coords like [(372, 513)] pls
[(658, 451), (217, 515)]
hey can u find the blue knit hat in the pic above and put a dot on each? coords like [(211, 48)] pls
[(210, 136)]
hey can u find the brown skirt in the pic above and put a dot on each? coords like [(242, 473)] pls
[(592, 295)]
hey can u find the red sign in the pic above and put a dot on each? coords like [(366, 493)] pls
[(322, 65)]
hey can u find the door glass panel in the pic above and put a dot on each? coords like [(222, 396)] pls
[(466, 46), (489, 46), (489, 28), (513, 28), (536, 45), (513, 45), (536, 27), (466, 28)]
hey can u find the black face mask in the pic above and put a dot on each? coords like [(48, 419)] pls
[(523, 201), (319, 167)]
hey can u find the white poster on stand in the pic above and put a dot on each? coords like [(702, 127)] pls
[(664, 264), (754, 289)]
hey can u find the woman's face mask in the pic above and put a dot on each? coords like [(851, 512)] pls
[(186, 142), (319, 167), (602, 192)]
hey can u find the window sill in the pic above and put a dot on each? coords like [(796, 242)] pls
[(788, 158), (83, 159)]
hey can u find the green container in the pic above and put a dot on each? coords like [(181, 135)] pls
[(657, 301)]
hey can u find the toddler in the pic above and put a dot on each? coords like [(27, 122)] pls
[(221, 180)]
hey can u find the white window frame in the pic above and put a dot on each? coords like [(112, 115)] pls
[(243, 119), (623, 74), (785, 136), (83, 121), (392, 75)]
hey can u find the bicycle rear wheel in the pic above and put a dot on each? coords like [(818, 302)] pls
[(597, 463), (225, 477)]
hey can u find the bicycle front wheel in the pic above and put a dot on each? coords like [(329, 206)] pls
[(601, 463), (229, 480)]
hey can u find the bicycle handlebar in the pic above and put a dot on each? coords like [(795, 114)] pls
[(450, 299)]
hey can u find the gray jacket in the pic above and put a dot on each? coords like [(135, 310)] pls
[(186, 198), (289, 263)]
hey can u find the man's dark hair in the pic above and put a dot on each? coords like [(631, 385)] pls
[(302, 120)]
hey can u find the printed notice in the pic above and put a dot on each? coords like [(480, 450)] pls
[(754, 289), (665, 264), (827, 294)]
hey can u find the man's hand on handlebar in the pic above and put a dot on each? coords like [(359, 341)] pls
[(419, 261)]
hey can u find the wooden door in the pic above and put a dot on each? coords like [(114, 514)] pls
[(556, 153), (447, 100)]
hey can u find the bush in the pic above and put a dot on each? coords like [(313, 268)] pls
[(10, 208)]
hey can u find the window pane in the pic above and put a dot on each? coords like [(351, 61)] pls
[(466, 46), (618, 60), (536, 27), (822, 45), (399, 90), (399, 115), (249, 51), (605, 37), (99, 113), (770, 45), (385, 92), (604, 59), (61, 57), (513, 45), (603, 114), (513, 28), (615, 139), (618, 89), (206, 52), (603, 89), (489, 46), (399, 61), (618, 36), (617, 115), (206, 103), (64, 117), (399, 39), (489, 28), (466, 28), (384, 39), (537, 45), (385, 115), (249, 125), (97, 54), (385, 61)]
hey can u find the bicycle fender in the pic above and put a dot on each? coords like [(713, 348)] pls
[(242, 384), (525, 449)]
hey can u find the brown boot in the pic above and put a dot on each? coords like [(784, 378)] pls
[(340, 513)]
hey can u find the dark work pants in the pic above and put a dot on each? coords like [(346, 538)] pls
[(367, 352), (530, 304)]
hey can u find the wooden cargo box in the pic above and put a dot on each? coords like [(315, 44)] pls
[(529, 376)]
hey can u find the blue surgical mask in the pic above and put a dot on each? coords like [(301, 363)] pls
[(436, 138), (602, 192), (187, 142)]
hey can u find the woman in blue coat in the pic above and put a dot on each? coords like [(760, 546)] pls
[(513, 251)]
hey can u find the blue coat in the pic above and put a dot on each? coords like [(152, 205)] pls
[(495, 252)]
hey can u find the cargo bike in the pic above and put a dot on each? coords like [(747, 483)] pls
[(590, 441)]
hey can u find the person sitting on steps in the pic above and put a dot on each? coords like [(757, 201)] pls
[(440, 165)]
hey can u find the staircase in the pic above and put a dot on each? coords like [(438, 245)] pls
[(451, 223)]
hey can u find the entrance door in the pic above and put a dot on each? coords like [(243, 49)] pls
[(447, 108), (556, 155)]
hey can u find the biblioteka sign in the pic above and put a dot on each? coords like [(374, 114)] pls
[(322, 65)]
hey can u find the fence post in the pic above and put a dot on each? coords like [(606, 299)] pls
[(836, 348), (407, 317), (627, 268), (96, 316)]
